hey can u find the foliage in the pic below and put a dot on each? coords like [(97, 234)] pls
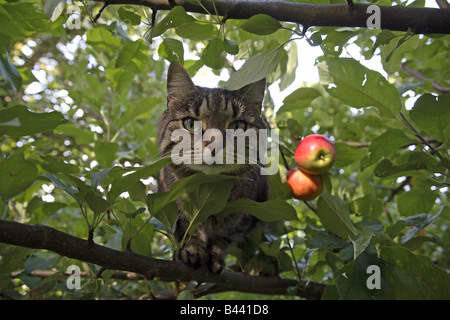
[(81, 100)]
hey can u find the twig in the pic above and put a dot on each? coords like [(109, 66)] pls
[(433, 151), (154, 12), (443, 4), (399, 188), (283, 157), (419, 76), (97, 16), (350, 4)]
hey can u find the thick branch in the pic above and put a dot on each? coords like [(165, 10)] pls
[(396, 18), (43, 237)]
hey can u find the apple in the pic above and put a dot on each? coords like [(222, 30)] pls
[(304, 186), (315, 154)]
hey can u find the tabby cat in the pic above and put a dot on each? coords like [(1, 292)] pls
[(220, 109)]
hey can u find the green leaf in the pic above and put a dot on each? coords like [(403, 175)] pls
[(348, 154), (368, 206), (106, 153), (361, 242), (81, 136), (230, 46), (386, 144), (138, 109), (212, 55), (416, 201), (171, 49), (269, 211), (206, 200), (10, 73), (16, 175), (316, 39), (177, 16), (96, 203), (133, 56), (104, 39), (98, 177), (271, 249), (54, 8), (56, 165), (256, 68), (352, 280), (124, 182), (133, 214), (19, 20), (18, 121), (138, 192), (168, 215), (120, 79), (261, 24), (127, 15), (141, 242), (386, 168), (393, 53), (327, 240), (432, 115), (334, 214), (40, 261), (159, 200), (360, 87), (60, 185), (383, 38), (197, 31), (419, 222), (414, 277), (299, 99)]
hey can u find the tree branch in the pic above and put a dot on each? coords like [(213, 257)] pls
[(419, 76), (396, 18), (44, 237)]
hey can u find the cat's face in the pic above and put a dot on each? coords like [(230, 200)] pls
[(208, 117)]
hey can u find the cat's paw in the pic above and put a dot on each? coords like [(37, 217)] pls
[(216, 264), (196, 257), (193, 256)]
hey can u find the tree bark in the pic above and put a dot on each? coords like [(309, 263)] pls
[(396, 18), (43, 237)]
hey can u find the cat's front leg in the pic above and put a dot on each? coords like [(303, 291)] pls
[(192, 252)]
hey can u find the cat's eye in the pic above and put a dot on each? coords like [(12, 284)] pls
[(189, 123), (238, 124)]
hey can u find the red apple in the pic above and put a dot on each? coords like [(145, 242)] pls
[(304, 186), (315, 154)]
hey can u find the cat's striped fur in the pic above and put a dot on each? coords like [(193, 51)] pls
[(216, 108)]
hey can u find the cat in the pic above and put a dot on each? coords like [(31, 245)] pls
[(219, 109)]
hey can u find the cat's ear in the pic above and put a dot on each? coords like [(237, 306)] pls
[(179, 83), (253, 94)]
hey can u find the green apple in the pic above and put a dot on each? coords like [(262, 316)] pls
[(304, 186), (315, 154)]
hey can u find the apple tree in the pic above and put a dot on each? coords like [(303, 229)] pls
[(82, 85)]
